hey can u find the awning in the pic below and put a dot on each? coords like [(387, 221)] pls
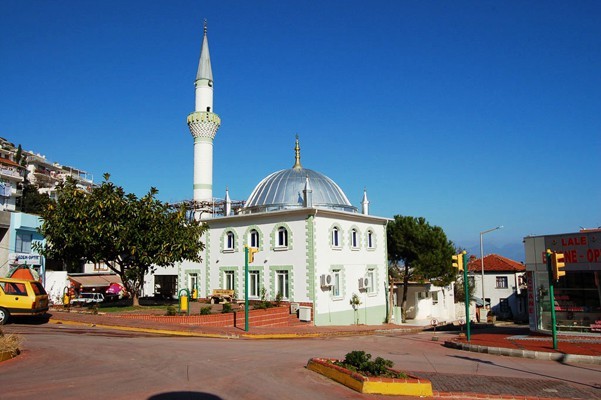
[(479, 302), (95, 280)]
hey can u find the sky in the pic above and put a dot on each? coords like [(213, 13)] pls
[(471, 114)]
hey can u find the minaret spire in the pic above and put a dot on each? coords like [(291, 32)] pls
[(365, 203), (203, 124), (297, 163)]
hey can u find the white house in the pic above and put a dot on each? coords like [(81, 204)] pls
[(504, 286)]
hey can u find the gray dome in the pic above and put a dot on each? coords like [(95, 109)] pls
[(284, 190)]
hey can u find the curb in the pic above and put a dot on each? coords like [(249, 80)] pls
[(241, 335), (539, 355)]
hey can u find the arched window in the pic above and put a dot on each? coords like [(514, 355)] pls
[(370, 240), (282, 240), (335, 237), (354, 238), (254, 238), (229, 242)]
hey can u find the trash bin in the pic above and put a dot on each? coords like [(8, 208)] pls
[(304, 313)]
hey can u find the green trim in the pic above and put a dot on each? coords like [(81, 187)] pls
[(222, 241), (203, 139), (350, 237), (261, 283), (274, 233), (375, 283), (235, 270), (340, 236), (310, 257), (245, 239), (374, 242), (367, 315), (203, 186), (272, 271), (340, 268), (207, 281)]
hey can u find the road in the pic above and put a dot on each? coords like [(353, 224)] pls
[(67, 362)]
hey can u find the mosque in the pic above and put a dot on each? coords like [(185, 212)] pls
[(315, 249)]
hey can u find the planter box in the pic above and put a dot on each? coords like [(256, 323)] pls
[(411, 386)]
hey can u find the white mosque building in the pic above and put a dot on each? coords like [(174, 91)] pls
[(314, 247)]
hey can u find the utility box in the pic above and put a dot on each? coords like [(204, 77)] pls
[(304, 313), (294, 308)]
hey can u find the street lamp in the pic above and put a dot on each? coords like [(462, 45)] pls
[(482, 260)]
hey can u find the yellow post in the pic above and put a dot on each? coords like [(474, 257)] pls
[(184, 301), (66, 297)]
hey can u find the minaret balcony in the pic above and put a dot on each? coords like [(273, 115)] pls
[(204, 116), (203, 124)]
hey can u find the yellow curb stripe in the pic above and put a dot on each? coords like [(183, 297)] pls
[(144, 330)]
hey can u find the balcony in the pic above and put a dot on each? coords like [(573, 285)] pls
[(11, 174)]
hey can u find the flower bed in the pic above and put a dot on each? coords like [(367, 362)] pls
[(409, 386)]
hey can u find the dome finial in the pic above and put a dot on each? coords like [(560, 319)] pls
[(297, 163)]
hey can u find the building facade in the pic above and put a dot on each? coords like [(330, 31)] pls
[(504, 287), (577, 293)]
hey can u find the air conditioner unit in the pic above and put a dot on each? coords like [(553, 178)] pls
[(326, 280), (363, 283)]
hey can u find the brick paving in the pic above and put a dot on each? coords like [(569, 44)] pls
[(523, 339), (477, 386)]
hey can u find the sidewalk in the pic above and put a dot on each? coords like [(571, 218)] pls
[(518, 341)]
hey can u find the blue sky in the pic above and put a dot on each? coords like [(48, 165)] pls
[(472, 114)]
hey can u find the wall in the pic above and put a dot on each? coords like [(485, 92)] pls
[(353, 264)]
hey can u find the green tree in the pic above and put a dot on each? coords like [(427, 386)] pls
[(459, 289), (130, 235), (417, 251), (32, 201)]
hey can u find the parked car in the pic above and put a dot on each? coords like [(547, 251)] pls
[(88, 299), (21, 297)]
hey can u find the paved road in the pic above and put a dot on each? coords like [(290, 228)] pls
[(66, 362)]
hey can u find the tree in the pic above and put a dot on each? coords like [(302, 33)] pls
[(32, 201), (417, 251), (459, 289), (130, 235)]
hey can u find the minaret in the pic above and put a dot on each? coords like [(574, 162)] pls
[(365, 203), (203, 124), (307, 194), (228, 203)]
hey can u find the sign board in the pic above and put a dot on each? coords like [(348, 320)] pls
[(582, 250), (22, 259)]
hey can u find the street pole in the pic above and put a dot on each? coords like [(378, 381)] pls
[(482, 260), (246, 289), (552, 300), (467, 296)]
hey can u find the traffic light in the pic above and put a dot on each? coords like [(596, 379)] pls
[(251, 254), (458, 261), (558, 263)]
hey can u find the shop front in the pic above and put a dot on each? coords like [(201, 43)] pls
[(577, 294)]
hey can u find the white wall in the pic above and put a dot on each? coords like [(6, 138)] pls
[(56, 282)]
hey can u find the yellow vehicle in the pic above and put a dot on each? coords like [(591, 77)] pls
[(21, 297)]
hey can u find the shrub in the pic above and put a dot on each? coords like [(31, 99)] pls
[(360, 362), (10, 343), (278, 299), (227, 307), (205, 310), (170, 311)]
